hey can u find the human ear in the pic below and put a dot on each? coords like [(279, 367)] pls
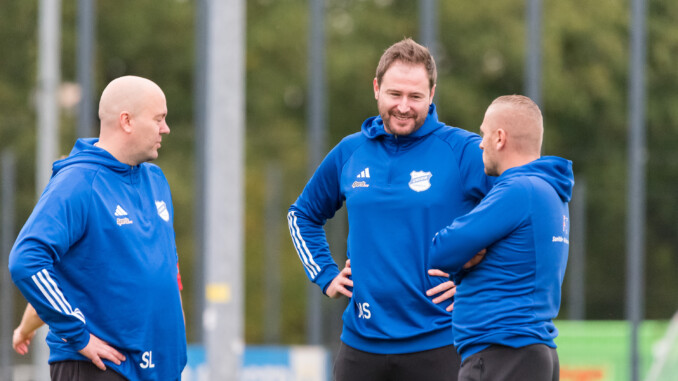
[(126, 122), (501, 138), (375, 85)]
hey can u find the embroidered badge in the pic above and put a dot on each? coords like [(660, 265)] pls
[(162, 210), (420, 180)]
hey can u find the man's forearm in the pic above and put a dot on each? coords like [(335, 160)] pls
[(30, 320)]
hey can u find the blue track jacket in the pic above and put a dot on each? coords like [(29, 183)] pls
[(513, 295), (98, 255), (399, 191)]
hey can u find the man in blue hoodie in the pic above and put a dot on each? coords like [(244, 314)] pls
[(402, 178), (97, 258), (505, 306)]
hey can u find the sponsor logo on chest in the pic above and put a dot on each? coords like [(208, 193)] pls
[(121, 216)]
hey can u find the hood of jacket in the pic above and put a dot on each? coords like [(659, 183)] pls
[(373, 127), (85, 152), (556, 171)]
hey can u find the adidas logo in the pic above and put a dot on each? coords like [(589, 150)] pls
[(365, 174), (119, 211)]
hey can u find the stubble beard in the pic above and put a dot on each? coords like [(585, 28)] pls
[(490, 168), (416, 120)]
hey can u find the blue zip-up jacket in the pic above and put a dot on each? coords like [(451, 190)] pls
[(398, 192), (513, 295), (98, 255)]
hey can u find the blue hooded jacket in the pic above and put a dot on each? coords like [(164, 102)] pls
[(98, 255), (399, 191), (513, 295)]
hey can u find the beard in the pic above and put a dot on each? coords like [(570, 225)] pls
[(402, 124), (491, 172), (490, 167)]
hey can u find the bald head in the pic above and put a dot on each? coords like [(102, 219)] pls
[(124, 94), (132, 111)]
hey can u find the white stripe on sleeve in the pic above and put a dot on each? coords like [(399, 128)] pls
[(45, 293), (52, 292), (61, 297), (300, 245)]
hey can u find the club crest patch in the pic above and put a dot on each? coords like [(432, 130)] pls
[(420, 180), (162, 210)]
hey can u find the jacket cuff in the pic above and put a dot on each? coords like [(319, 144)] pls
[(79, 341), (458, 276), (325, 278)]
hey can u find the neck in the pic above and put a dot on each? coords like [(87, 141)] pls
[(517, 161), (114, 151)]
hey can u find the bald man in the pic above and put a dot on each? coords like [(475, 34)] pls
[(505, 305), (97, 259)]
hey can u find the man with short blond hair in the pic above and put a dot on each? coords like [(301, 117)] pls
[(505, 305)]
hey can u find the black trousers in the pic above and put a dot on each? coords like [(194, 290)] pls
[(440, 364), (537, 362), (81, 371)]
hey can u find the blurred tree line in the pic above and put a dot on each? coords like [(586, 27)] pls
[(480, 56)]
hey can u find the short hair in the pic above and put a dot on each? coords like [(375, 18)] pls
[(525, 121), (519, 101), (409, 52)]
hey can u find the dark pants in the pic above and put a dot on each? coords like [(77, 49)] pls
[(440, 364), (81, 371), (499, 363)]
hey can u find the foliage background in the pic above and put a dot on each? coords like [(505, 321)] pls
[(481, 55)]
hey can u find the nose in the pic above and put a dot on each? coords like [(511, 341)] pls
[(164, 129), (403, 105)]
